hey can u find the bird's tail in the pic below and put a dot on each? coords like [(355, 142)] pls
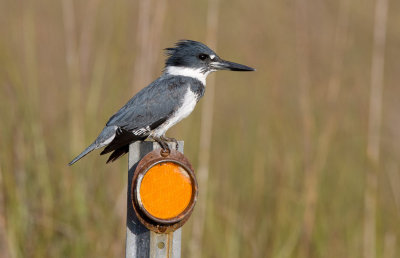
[(83, 154), (104, 138)]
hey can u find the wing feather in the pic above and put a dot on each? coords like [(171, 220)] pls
[(147, 110), (151, 105)]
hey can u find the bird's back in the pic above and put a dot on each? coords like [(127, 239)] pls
[(155, 102)]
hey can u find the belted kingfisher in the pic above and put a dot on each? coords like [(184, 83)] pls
[(163, 103)]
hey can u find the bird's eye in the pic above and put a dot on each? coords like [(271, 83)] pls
[(203, 56)]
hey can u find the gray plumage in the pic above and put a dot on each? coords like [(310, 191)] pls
[(163, 103), (146, 110), (151, 106)]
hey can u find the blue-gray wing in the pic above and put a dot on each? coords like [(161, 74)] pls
[(151, 106)]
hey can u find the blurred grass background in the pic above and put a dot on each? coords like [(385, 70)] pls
[(299, 159)]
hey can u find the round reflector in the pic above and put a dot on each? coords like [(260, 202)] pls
[(164, 190)]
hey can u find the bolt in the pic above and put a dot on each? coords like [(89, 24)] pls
[(161, 245)]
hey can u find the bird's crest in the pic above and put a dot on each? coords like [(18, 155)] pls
[(170, 51)]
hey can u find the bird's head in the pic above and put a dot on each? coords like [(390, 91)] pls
[(194, 59)]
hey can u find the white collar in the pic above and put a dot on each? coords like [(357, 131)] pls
[(188, 72)]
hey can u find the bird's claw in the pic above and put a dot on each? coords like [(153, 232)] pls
[(164, 145), (167, 139), (163, 142)]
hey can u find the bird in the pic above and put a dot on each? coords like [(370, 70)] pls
[(164, 102)]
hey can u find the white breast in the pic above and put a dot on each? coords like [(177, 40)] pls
[(189, 102)]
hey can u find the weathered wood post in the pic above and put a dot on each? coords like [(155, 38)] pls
[(140, 241)]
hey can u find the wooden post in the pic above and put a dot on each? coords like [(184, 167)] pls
[(140, 242)]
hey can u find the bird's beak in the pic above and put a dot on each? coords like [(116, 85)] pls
[(221, 64)]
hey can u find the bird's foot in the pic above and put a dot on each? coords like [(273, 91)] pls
[(163, 143), (168, 139)]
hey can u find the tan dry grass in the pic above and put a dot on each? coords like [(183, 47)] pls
[(257, 185)]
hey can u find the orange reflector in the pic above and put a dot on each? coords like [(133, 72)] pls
[(166, 190)]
